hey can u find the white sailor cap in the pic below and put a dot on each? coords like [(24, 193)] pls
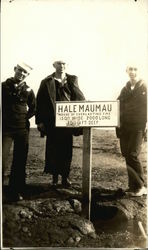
[(24, 66), (59, 61)]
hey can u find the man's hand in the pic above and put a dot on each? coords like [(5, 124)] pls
[(41, 128), (118, 132)]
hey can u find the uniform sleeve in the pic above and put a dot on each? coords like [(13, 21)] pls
[(31, 105), (77, 95), (118, 129), (121, 98), (144, 101), (4, 97), (40, 103)]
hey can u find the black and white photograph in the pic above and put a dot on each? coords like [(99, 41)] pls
[(74, 124)]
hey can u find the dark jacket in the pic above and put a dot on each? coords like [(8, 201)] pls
[(18, 105), (133, 106), (46, 98)]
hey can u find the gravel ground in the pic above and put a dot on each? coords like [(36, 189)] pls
[(50, 217)]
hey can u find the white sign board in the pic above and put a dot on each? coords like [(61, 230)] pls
[(87, 114)]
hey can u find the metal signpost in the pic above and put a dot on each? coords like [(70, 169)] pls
[(87, 115)]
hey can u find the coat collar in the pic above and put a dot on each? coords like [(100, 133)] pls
[(137, 85), (53, 74)]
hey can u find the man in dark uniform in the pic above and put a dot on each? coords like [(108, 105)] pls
[(18, 106), (58, 86), (133, 118)]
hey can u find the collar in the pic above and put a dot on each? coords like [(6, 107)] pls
[(137, 85), (53, 75), (62, 82)]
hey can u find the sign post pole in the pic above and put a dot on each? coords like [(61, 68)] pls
[(86, 171), (87, 115)]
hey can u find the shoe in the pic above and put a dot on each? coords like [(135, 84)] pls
[(20, 197), (15, 197), (55, 180), (140, 192), (129, 190), (66, 182)]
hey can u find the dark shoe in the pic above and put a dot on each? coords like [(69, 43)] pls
[(20, 197), (55, 180), (66, 183), (129, 190), (16, 197)]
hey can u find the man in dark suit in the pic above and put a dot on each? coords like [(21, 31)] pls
[(58, 86)]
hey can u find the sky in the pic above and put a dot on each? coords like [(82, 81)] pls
[(98, 39)]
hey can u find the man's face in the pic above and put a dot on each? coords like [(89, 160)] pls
[(132, 72), (20, 74), (60, 66)]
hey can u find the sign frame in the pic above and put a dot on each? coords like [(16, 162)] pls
[(84, 123)]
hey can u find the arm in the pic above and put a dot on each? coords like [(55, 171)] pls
[(40, 108), (40, 104), (77, 94), (31, 105), (118, 129)]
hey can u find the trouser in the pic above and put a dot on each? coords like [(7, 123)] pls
[(20, 152), (58, 155), (130, 143)]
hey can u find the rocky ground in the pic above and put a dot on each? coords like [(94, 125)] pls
[(49, 217)]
